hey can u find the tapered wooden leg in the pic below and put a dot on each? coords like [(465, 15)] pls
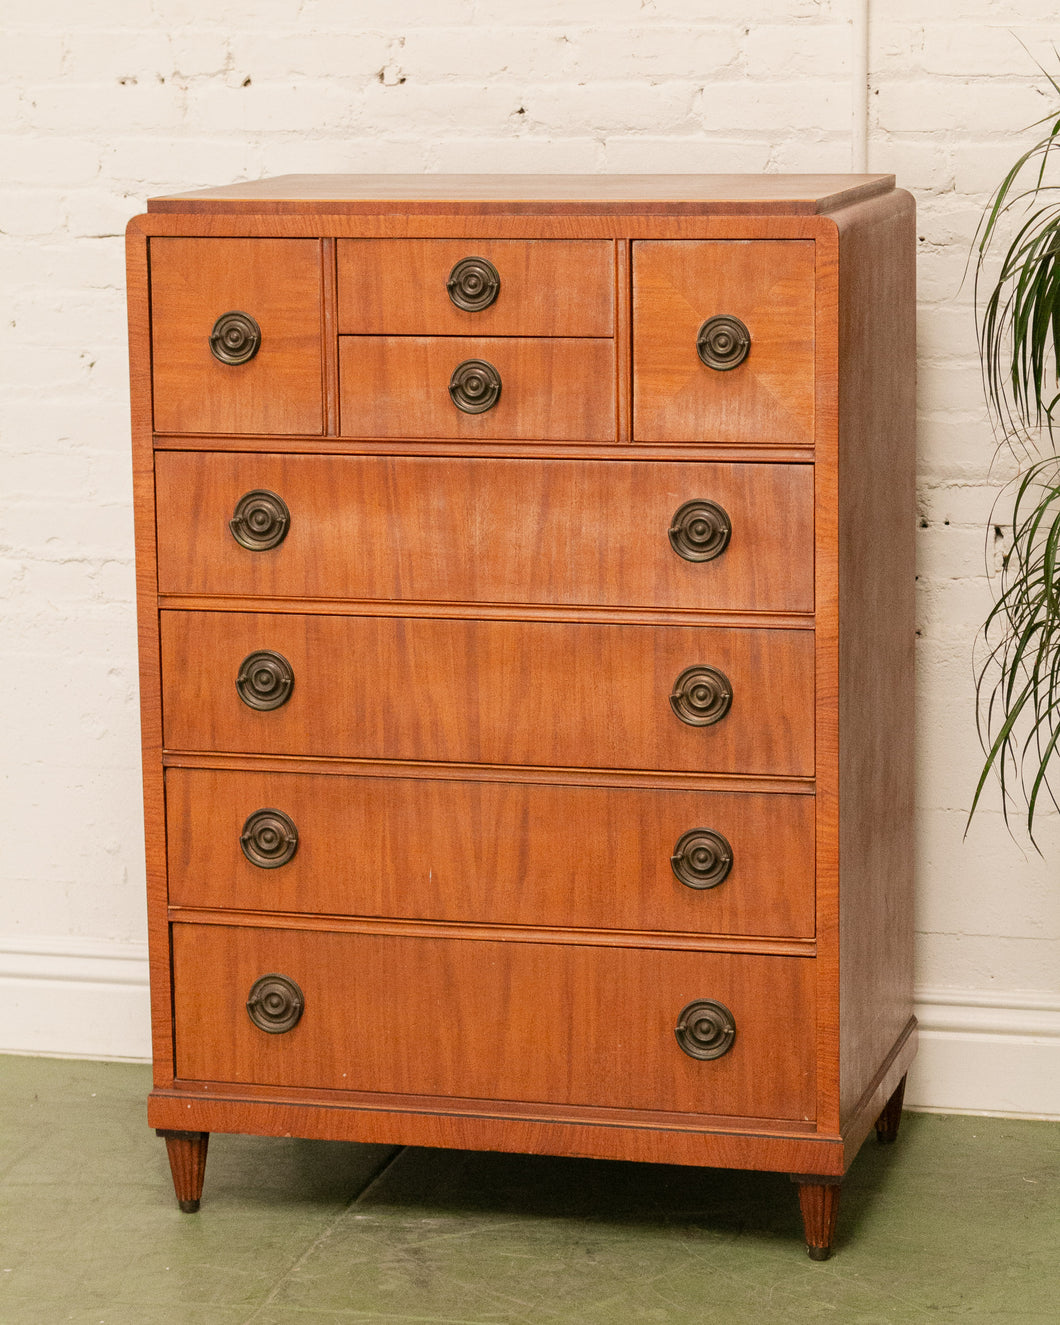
[(887, 1122), (187, 1163), (819, 1203)]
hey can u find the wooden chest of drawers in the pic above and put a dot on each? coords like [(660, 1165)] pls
[(525, 584)]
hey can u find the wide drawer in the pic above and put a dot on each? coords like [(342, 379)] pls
[(582, 533), (685, 291), (494, 852), (544, 1022), (493, 692), (556, 389), (445, 287), (210, 374)]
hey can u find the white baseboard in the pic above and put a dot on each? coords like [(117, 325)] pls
[(994, 1053), (71, 998), (991, 1053)]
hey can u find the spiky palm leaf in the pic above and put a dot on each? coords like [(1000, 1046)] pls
[(1018, 313)]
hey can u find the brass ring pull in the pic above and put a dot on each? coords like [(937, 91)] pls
[(473, 284), (275, 1004), (700, 530), (265, 680), (475, 386), (701, 696), (269, 839), (235, 338), (723, 342), (702, 858), (260, 521), (705, 1029)]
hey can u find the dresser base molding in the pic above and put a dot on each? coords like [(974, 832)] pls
[(409, 1125), (888, 1121), (526, 1129), (819, 1193)]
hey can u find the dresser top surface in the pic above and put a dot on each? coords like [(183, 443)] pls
[(718, 195)]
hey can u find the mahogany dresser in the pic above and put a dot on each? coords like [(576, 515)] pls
[(525, 588)]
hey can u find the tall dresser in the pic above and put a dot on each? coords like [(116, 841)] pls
[(525, 573)]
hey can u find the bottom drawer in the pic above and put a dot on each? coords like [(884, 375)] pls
[(539, 1022)]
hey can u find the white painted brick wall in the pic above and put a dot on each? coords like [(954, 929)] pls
[(103, 105)]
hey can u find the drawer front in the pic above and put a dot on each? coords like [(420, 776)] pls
[(195, 283), (492, 852), (557, 389), (542, 1022), (582, 533), (493, 692), (679, 286), (401, 287)]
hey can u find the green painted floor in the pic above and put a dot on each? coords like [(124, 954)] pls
[(959, 1222)]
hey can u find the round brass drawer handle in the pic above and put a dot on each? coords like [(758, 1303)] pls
[(275, 1004), (265, 680), (473, 284), (701, 696), (475, 386), (723, 342), (700, 530), (260, 520), (235, 338), (702, 858), (269, 839), (705, 1029)]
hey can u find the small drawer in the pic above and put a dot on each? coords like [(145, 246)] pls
[(551, 1023), (473, 287), (550, 694), (425, 848), (583, 533), (477, 388), (723, 341), (236, 342)]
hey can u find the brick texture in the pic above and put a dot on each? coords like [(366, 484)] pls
[(102, 105)]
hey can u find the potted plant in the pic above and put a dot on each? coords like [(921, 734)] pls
[(1018, 318)]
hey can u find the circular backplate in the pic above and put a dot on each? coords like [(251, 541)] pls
[(723, 342), (265, 680), (705, 1029), (275, 1003), (235, 338), (702, 858), (269, 839), (701, 696)]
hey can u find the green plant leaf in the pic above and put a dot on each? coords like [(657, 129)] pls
[(1016, 252)]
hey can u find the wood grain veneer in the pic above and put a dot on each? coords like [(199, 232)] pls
[(487, 531), (499, 852), (563, 195), (278, 283), (426, 1016), (491, 692), (877, 523), (769, 286), (553, 388), (397, 287)]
